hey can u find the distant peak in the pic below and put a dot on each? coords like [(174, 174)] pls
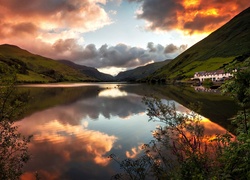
[(10, 45)]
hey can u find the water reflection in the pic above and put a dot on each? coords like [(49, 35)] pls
[(112, 93), (57, 144), (207, 90), (72, 140)]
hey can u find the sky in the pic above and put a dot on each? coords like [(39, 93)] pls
[(112, 35)]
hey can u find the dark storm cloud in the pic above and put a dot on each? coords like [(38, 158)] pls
[(45, 7), (163, 13), (190, 16), (120, 55)]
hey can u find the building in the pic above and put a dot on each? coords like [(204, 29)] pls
[(218, 75)]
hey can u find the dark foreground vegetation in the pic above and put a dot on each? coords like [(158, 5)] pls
[(13, 146), (181, 150)]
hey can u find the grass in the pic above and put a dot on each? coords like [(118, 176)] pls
[(208, 65), (211, 53), (33, 77), (30, 67)]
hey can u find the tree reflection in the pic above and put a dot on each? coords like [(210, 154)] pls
[(180, 148), (69, 141)]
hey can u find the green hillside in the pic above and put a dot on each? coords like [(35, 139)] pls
[(140, 72), (90, 71), (32, 68), (229, 44)]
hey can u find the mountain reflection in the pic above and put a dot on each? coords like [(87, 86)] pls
[(71, 140)]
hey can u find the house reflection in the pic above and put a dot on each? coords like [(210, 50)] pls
[(207, 90), (73, 140)]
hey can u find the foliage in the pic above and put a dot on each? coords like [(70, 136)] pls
[(13, 146), (180, 150), (13, 151), (11, 101), (237, 155)]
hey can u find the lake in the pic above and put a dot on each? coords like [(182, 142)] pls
[(76, 126)]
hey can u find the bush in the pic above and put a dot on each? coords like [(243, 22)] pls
[(180, 150), (13, 146)]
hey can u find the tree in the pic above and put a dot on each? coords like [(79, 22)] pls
[(239, 89), (237, 155), (180, 150), (13, 146)]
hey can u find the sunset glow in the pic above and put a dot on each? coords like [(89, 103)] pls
[(90, 32), (191, 3)]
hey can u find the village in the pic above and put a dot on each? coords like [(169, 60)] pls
[(214, 76)]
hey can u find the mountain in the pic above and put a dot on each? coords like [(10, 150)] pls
[(228, 45), (33, 68), (140, 72), (90, 71)]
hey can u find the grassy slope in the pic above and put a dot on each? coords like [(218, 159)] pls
[(90, 71), (35, 68), (140, 72), (214, 52)]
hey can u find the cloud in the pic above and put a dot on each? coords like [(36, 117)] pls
[(46, 21), (135, 151), (56, 28), (189, 16), (121, 55), (171, 48), (118, 56), (79, 15)]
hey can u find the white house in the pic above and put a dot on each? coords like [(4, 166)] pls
[(218, 75)]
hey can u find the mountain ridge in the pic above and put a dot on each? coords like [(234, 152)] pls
[(90, 71), (140, 72), (32, 68), (217, 50)]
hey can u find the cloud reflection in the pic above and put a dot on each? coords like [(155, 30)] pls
[(64, 144), (112, 93), (211, 128)]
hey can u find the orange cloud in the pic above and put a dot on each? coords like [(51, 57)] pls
[(192, 16), (134, 152), (82, 15), (43, 22)]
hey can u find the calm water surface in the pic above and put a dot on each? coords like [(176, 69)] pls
[(76, 126)]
